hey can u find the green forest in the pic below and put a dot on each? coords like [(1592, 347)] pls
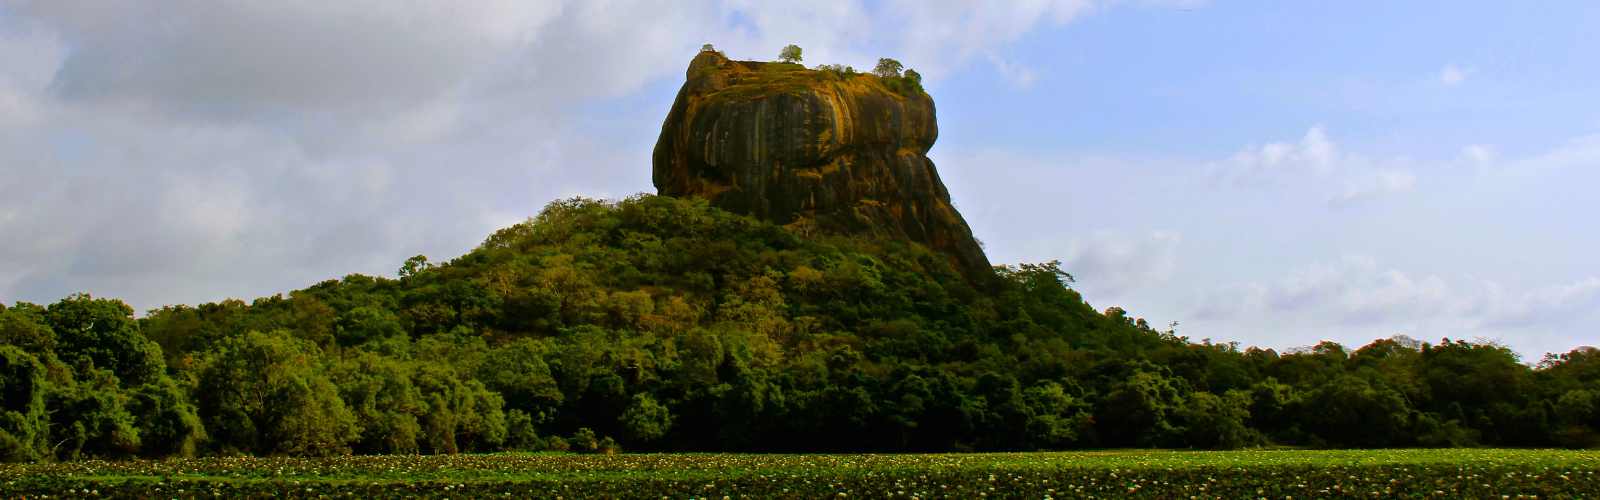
[(657, 323)]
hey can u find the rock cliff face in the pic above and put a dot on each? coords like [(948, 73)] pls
[(814, 150)]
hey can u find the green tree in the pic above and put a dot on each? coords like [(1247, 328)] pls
[(584, 440), (367, 323), (103, 333), (413, 266), (518, 372), (24, 428), (887, 68), (645, 420), (24, 326), (1138, 411), (267, 393), (1059, 419), (89, 417), (1349, 411), (169, 424), (790, 54), (914, 78), (1578, 411), (1217, 422), (461, 415), (385, 402), (1274, 409)]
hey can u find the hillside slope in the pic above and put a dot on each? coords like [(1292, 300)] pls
[(665, 323)]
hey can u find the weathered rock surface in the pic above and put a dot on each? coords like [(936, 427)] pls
[(814, 150)]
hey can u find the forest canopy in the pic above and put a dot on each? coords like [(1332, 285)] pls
[(658, 323)]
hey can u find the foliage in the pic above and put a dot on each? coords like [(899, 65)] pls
[(887, 68), (645, 420), (671, 325), (837, 71), (79, 380), (23, 425), (790, 54), (266, 393)]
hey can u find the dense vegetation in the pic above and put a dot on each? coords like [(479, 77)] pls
[(663, 324), (1491, 473)]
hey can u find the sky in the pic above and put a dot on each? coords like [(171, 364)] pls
[(1272, 173)]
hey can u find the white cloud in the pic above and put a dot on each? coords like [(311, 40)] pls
[(1453, 75), (1478, 155), (1498, 307), (1315, 162), (938, 36), (1358, 294), (1579, 153), (229, 57), (1108, 265), (1314, 153), (946, 32), (1375, 184), (1354, 289), (1019, 76)]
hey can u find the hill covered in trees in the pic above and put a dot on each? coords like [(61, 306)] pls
[(657, 323)]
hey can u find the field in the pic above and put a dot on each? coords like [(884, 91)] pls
[(1108, 474)]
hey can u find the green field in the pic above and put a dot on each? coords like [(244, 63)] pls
[(1454, 473)]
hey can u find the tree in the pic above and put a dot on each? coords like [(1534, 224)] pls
[(518, 372), (103, 333), (385, 402), (89, 417), (645, 420), (1217, 422), (707, 48), (365, 324), (1578, 412), (23, 326), (790, 54), (113, 398), (1486, 382), (414, 265), (887, 68), (1059, 420), (1138, 411), (914, 77), (266, 393), (461, 415), (167, 420), (1349, 411), (23, 425)]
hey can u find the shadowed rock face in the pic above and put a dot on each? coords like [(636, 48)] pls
[(811, 150)]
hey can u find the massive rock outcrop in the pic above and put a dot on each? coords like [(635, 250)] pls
[(815, 150)]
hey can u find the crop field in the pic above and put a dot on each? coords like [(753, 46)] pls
[(1487, 473)]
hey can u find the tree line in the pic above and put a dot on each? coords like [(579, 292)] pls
[(656, 323)]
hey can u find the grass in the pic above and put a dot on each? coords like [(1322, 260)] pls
[(1103, 474)]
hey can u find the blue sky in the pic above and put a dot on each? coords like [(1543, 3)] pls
[(1275, 173)]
